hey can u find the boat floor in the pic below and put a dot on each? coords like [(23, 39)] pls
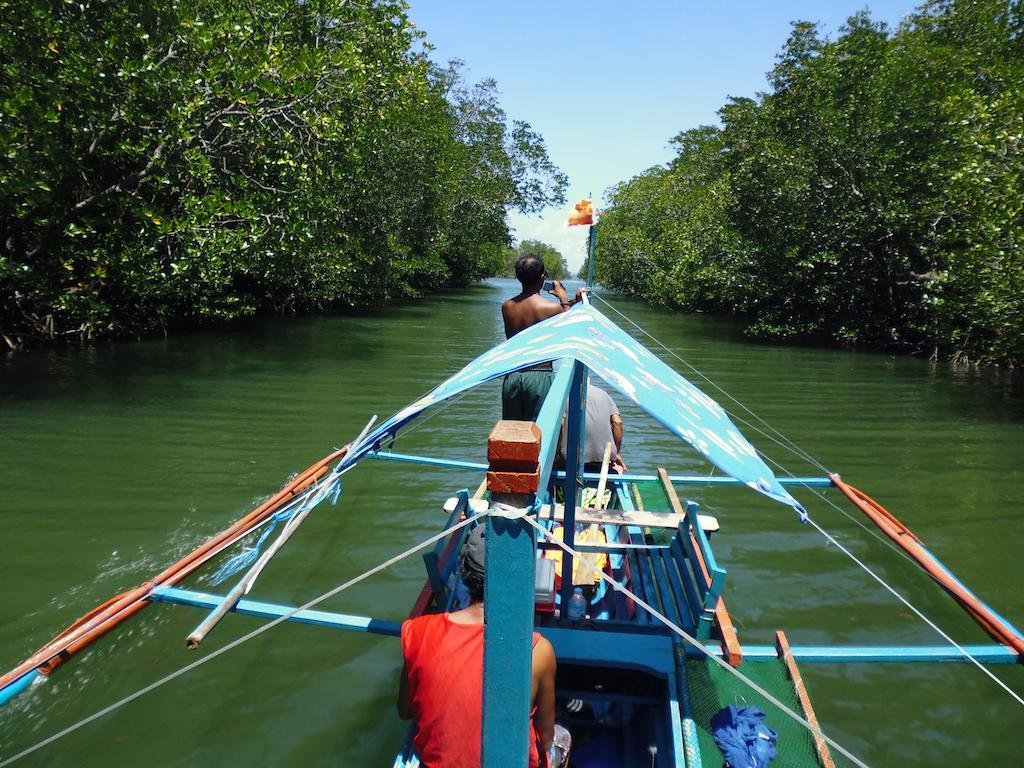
[(711, 688)]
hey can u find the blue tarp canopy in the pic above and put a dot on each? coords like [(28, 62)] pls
[(586, 335)]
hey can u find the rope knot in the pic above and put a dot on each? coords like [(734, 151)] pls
[(507, 511)]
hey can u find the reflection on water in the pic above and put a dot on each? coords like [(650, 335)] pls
[(121, 457)]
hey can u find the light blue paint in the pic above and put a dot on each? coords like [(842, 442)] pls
[(646, 652), (196, 599), (429, 461), (508, 616), (12, 689), (955, 578), (691, 746), (717, 480), (623, 650), (587, 336), (893, 654), (438, 572), (717, 574), (549, 420), (676, 721), (575, 433)]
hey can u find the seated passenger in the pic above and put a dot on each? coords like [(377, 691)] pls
[(442, 680), (603, 426)]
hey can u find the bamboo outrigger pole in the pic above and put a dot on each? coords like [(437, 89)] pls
[(989, 620), (108, 615), (245, 583)]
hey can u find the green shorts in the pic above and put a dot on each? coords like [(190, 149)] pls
[(523, 393)]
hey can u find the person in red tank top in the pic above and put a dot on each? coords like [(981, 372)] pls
[(442, 680)]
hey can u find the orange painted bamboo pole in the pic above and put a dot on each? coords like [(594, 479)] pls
[(793, 671), (108, 615), (909, 543)]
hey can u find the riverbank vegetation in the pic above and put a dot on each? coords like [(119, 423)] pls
[(171, 162), (874, 197), (554, 262)]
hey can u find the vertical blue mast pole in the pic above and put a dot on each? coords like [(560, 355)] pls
[(574, 433), (509, 600), (576, 425)]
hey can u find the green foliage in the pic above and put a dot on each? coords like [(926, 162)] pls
[(874, 197), (554, 262), (170, 161)]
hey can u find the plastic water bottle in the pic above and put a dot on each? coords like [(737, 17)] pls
[(577, 605), (560, 746)]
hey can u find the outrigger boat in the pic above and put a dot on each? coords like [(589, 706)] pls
[(656, 656)]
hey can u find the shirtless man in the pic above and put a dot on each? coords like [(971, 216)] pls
[(523, 392)]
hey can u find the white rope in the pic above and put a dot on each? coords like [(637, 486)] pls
[(788, 444), (404, 431), (867, 569), (693, 641), (916, 612), (784, 442), (239, 641), (829, 537)]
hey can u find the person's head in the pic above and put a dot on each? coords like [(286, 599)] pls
[(472, 565), (530, 272)]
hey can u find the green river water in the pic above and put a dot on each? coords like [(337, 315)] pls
[(120, 458)]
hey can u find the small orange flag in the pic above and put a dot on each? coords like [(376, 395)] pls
[(583, 214)]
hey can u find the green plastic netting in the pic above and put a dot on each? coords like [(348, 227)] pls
[(711, 688)]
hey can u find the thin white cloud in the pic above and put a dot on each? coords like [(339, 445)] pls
[(552, 227)]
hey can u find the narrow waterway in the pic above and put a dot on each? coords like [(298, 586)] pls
[(119, 458)]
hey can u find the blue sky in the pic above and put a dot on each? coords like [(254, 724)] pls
[(609, 83)]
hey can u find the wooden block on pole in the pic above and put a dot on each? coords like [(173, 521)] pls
[(513, 456)]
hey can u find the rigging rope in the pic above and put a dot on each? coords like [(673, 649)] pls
[(785, 441), (239, 641), (579, 557), (789, 444), (829, 537)]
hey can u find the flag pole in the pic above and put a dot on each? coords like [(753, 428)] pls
[(591, 238)]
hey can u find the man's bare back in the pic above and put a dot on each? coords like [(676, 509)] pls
[(526, 309), (523, 392)]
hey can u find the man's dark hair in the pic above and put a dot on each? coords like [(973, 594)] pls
[(529, 270), (471, 563), (474, 582)]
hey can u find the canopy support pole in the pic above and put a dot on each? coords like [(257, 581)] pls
[(575, 433), (521, 456)]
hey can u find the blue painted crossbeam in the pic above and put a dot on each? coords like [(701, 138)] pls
[(409, 458), (582, 647), (274, 611)]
